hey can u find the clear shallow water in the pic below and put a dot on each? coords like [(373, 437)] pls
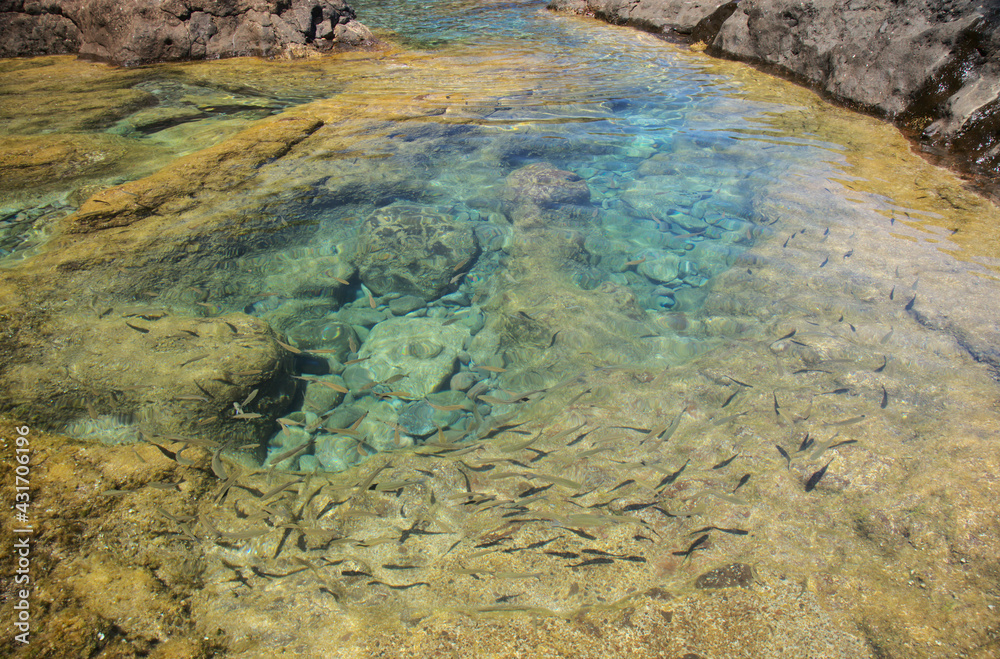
[(587, 198), (680, 168)]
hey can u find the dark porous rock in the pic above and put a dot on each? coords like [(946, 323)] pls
[(413, 249), (131, 32), (931, 66), (737, 575), (39, 32), (662, 16)]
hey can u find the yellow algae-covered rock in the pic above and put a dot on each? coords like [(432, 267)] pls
[(173, 226), (64, 94), (34, 165), (86, 545), (175, 188), (164, 373)]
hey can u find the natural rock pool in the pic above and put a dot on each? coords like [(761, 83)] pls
[(527, 336)]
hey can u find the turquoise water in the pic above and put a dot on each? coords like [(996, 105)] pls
[(674, 161)]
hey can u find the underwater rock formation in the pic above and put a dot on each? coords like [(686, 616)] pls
[(141, 31), (414, 249), (326, 333), (539, 194), (544, 185), (126, 341), (173, 374), (931, 66), (423, 349)]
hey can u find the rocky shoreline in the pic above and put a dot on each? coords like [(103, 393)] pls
[(138, 32), (932, 67)]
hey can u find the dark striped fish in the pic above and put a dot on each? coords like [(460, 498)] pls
[(692, 547), (817, 477)]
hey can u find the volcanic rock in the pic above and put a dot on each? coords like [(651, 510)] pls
[(142, 31)]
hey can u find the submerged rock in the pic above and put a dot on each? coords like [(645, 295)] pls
[(38, 168), (420, 419), (659, 266), (323, 394), (665, 199), (544, 185), (737, 575), (413, 249), (320, 276), (64, 94), (178, 187), (326, 334), (156, 229), (167, 374), (423, 349), (539, 195), (142, 31), (401, 306)]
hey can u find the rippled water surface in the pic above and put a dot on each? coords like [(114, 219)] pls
[(523, 318)]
